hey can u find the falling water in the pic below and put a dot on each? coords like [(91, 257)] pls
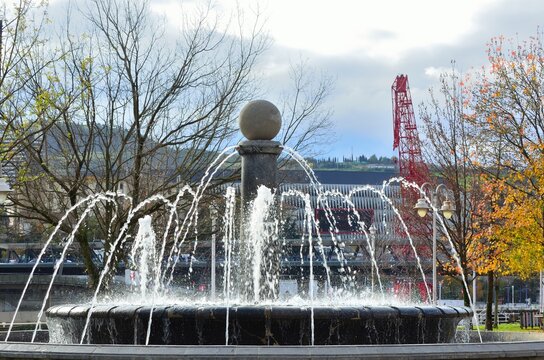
[(172, 218), (386, 199), (145, 253), (191, 214), (454, 253), (157, 281), (146, 260), (308, 209), (188, 220), (46, 246), (59, 262), (351, 205), (317, 187), (228, 244), (262, 236), (118, 242)]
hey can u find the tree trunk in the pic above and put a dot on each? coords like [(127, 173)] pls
[(489, 303), (496, 322), (92, 271), (466, 298)]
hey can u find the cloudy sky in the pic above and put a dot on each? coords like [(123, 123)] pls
[(364, 44)]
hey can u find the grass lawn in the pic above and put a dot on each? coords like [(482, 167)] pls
[(511, 327)]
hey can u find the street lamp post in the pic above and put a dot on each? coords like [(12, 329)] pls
[(447, 209), (372, 230), (213, 214), (513, 297)]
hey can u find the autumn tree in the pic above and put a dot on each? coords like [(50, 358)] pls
[(490, 248), (508, 110)]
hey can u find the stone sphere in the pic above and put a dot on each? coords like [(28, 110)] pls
[(260, 120)]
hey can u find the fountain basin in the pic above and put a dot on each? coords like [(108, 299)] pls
[(256, 325)]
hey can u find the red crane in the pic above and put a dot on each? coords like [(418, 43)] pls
[(411, 165), (406, 138)]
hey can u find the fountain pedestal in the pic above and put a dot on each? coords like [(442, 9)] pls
[(260, 122), (259, 166)]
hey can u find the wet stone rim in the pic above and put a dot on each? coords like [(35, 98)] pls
[(257, 325)]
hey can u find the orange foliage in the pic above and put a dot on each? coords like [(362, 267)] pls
[(507, 103), (510, 230)]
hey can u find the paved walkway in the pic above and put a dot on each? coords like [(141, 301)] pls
[(510, 350)]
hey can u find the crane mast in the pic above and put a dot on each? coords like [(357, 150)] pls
[(406, 138), (411, 168)]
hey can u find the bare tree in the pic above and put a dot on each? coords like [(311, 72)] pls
[(126, 110), (21, 55), (447, 148), (306, 119), (123, 108)]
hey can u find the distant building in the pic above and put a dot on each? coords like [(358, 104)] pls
[(338, 177)]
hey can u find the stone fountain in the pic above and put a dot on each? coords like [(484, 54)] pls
[(248, 322)]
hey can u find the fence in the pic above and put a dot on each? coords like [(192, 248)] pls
[(530, 318)]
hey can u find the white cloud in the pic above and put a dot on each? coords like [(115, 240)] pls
[(379, 29), (364, 44), (435, 72), (386, 28)]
